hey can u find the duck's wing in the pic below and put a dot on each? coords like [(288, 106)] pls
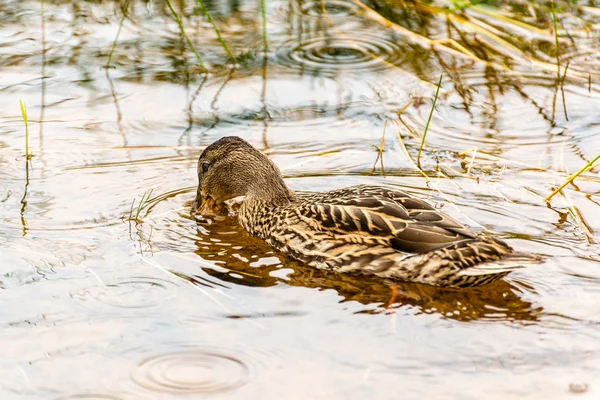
[(405, 223)]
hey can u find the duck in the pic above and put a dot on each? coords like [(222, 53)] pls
[(364, 230)]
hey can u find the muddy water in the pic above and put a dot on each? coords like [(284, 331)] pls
[(97, 305)]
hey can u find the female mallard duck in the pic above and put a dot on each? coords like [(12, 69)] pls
[(360, 229)]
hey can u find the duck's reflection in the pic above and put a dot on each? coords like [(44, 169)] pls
[(243, 260)]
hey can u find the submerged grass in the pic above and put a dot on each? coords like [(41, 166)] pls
[(428, 121), (26, 122), (588, 166)]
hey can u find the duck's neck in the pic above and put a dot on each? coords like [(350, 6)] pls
[(260, 204), (271, 192)]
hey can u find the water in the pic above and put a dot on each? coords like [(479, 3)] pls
[(97, 306)]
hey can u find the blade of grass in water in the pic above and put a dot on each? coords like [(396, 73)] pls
[(562, 90), (112, 50), (572, 177), (26, 122), (264, 21), (131, 210), (187, 38), (490, 47), (205, 11), (142, 204), (428, 121), (380, 150), (554, 24), (263, 93)]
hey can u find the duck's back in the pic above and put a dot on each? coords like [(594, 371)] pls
[(381, 231)]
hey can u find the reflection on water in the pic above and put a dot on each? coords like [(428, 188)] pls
[(104, 306), (236, 251)]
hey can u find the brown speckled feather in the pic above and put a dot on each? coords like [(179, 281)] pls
[(381, 231), (411, 225), (361, 229)]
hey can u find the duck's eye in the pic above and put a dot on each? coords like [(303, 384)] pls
[(205, 166)]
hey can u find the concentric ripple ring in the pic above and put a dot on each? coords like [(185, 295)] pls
[(192, 371), (90, 396), (134, 292), (351, 52), (329, 8)]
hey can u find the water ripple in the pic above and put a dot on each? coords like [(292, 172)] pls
[(356, 52), (89, 396), (192, 371), (330, 8), (134, 292)]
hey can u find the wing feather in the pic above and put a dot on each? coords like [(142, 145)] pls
[(406, 223)]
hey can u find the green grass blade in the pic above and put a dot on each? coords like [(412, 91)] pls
[(143, 203), (264, 21), (140, 205), (210, 20), (555, 25), (26, 122), (572, 177), (131, 210), (187, 38), (429, 120), (114, 46)]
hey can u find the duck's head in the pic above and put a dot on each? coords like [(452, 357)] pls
[(231, 167)]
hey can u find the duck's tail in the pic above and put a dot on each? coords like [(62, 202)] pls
[(474, 262), (506, 264)]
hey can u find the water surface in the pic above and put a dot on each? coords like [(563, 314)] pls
[(98, 306)]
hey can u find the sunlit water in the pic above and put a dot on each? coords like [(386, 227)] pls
[(98, 306)]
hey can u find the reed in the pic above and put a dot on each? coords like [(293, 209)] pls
[(263, 10), (142, 204), (210, 20), (114, 46), (562, 90), (479, 40), (572, 177), (26, 122), (437, 91), (380, 150), (555, 26), (187, 38)]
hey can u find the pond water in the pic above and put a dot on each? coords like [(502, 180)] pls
[(101, 300)]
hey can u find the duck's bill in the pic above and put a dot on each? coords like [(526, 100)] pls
[(207, 207)]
